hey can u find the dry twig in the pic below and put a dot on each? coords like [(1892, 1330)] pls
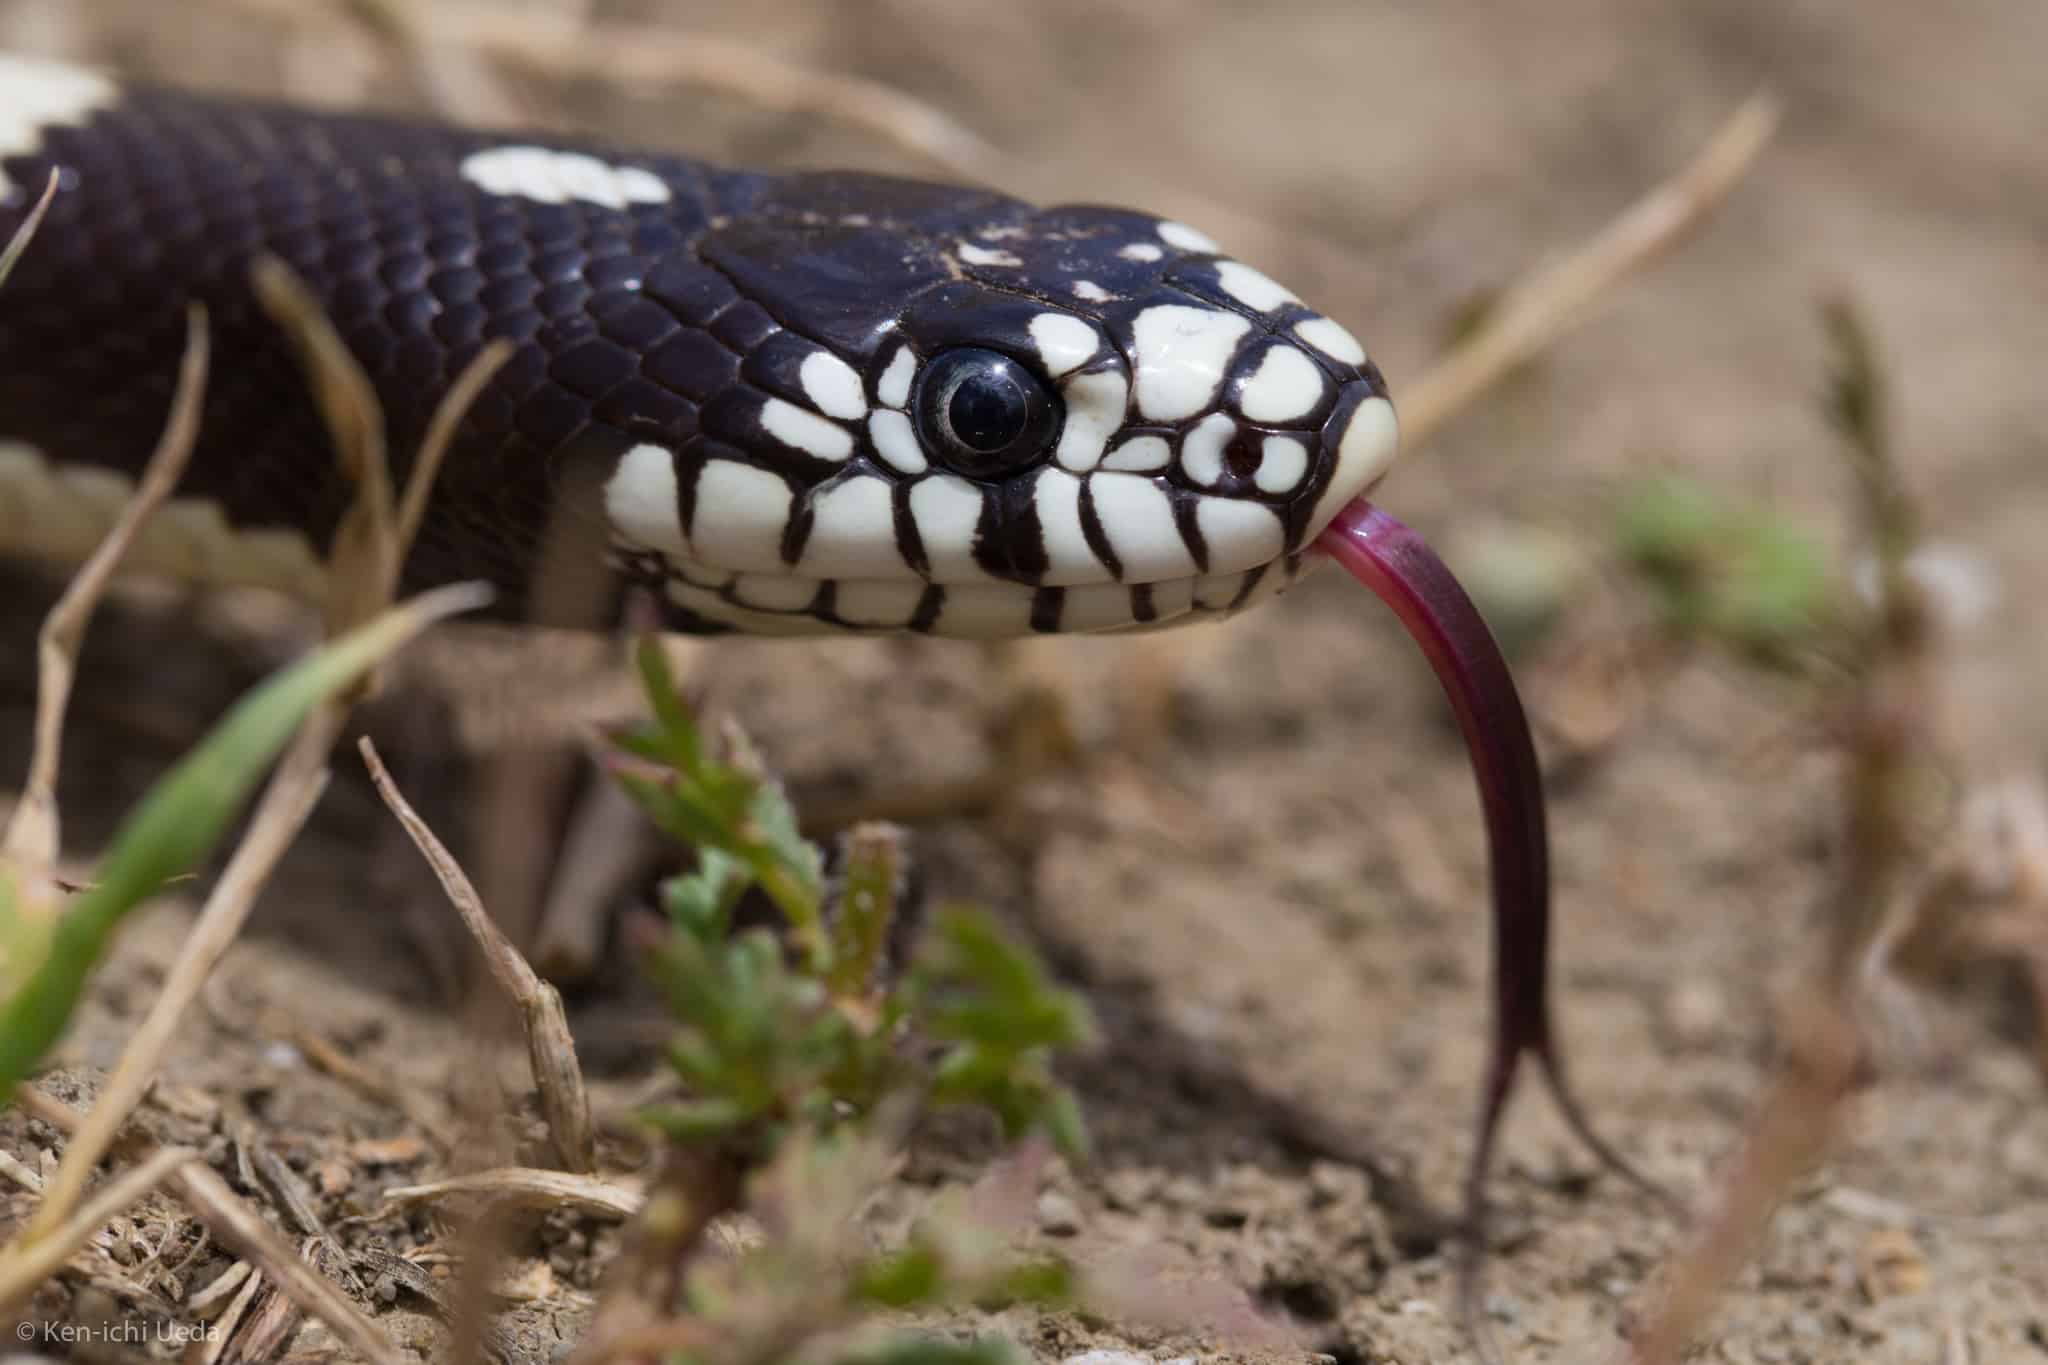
[(237, 1309), (33, 835), (1543, 307), (11, 254), (1888, 713), (550, 1048), (531, 1187)]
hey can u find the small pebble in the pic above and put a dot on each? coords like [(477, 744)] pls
[(1130, 1189), (1694, 1012), (1107, 1358), (1330, 1183), (283, 1056), (1890, 1265), (1057, 1215)]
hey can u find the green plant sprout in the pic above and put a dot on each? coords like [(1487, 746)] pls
[(806, 1059)]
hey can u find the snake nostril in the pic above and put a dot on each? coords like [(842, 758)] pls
[(1241, 456)]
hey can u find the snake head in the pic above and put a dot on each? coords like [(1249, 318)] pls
[(960, 415)]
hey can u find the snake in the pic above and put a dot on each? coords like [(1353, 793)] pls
[(787, 403), (774, 402)]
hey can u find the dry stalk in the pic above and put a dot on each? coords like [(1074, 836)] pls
[(550, 1049), (1543, 307), (242, 1230), (33, 835), (1889, 728), (11, 1168), (232, 1318), (456, 81), (530, 1187), (11, 254)]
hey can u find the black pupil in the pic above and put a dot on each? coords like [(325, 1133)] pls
[(987, 411)]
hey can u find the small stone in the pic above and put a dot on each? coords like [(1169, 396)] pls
[(1890, 1265), (525, 1282), (1107, 1358), (1694, 1012), (1057, 1215), (1131, 1188), (1809, 1325), (397, 1151), (1330, 1183)]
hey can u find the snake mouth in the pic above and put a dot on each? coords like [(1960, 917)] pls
[(792, 604)]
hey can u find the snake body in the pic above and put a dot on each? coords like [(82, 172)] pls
[(789, 402)]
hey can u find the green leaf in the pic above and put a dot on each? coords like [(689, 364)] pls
[(698, 1121), (1047, 1282), (177, 824), (701, 904), (675, 729), (866, 909), (904, 1280)]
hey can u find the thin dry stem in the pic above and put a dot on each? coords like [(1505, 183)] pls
[(34, 834), (11, 255), (625, 55), (242, 1230), (528, 1186), (252, 1284), (12, 1169), (434, 446), (459, 84), (27, 1264), (1541, 308), (550, 1048), (1788, 1138), (621, 54), (362, 563), (1888, 708)]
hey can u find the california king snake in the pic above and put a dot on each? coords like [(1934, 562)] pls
[(807, 402), (786, 403)]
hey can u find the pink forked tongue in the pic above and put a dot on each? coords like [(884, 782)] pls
[(1406, 574)]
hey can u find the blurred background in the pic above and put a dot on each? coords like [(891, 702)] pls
[(1267, 863)]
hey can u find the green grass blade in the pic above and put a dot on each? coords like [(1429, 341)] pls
[(183, 816)]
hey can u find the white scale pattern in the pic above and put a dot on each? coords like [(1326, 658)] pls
[(553, 177), (36, 95), (1182, 354)]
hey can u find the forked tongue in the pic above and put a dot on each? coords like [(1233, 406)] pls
[(1400, 567)]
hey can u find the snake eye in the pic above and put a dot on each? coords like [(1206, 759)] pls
[(982, 413)]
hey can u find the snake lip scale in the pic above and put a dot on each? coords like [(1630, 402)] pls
[(791, 403)]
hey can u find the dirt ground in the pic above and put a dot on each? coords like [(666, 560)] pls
[(1271, 880)]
